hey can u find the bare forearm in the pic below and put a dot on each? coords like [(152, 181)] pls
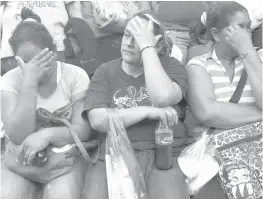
[(99, 118), (160, 87), (226, 115), (60, 136), (22, 121), (253, 66)]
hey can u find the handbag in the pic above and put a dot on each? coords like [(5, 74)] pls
[(52, 162), (201, 152), (124, 176), (239, 154)]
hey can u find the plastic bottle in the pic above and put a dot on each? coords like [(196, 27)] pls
[(163, 147)]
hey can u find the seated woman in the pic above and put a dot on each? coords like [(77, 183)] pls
[(40, 82), (140, 86), (213, 77)]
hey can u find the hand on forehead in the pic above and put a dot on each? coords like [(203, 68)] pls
[(137, 22)]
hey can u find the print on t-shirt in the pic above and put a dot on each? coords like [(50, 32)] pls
[(131, 97), (39, 4)]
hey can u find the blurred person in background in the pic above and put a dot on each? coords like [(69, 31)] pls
[(108, 20)]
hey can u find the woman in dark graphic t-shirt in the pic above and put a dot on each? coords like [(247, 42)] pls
[(143, 86)]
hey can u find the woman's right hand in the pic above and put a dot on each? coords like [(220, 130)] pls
[(168, 115), (38, 66)]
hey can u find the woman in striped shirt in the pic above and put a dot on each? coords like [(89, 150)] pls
[(213, 77)]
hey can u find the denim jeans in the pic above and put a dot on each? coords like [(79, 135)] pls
[(169, 184)]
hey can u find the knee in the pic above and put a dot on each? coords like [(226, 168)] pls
[(14, 186), (15, 192), (60, 192)]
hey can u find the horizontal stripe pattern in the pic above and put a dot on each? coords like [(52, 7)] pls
[(223, 87)]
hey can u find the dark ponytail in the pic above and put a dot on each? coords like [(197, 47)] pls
[(26, 13), (32, 32), (217, 17)]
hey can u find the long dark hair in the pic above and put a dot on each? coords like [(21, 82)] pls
[(217, 17), (33, 32)]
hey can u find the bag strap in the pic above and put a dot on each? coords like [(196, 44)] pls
[(74, 135), (237, 142), (80, 145), (240, 87), (237, 93)]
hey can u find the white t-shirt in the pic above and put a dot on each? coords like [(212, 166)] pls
[(53, 15), (70, 81)]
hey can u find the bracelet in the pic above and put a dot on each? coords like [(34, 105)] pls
[(147, 47), (244, 56)]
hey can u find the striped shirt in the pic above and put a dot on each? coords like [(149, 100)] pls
[(223, 87)]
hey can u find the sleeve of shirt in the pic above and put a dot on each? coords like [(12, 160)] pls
[(98, 92), (177, 73), (10, 82), (81, 81)]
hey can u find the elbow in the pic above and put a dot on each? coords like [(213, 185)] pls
[(167, 99), (161, 102), (95, 125), (203, 116), (98, 120), (13, 135)]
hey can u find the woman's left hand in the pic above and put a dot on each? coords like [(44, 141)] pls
[(239, 38), (142, 32), (33, 144)]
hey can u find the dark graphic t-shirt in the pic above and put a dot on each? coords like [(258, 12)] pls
[(111, 87)]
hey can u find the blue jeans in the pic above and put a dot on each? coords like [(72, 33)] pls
[(169, 184)]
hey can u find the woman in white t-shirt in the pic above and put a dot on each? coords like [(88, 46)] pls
[(40, 82)]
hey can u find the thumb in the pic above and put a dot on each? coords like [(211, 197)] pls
[(20, 61), (158, 38), (150, 25)]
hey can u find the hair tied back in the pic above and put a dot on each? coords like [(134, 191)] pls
[(29, 15)]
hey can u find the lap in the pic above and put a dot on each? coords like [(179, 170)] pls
[(16, 186), (68, 186), (95, 186), (160, 184), (167, 184)]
